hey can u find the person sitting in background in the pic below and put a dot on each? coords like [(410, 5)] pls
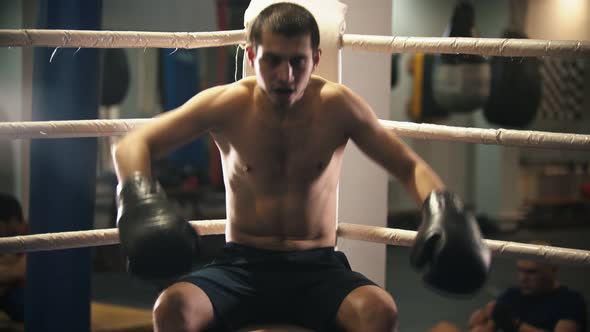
[(13, 267), (539, 303)]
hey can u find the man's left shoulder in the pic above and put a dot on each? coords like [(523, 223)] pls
[(571, 296), (571, 292), (331, 94), (325, 86)]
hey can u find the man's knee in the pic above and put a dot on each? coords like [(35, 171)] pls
[(182, 307), (379, 306), (369, 306)]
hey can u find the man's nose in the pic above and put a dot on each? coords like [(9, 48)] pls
[(285, 71)]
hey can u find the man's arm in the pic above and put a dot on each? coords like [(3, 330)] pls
[(517, 325), (566, 325), (481, 317), (562, 326), (447, 232), (158, 242), (385, 148), (481, 320), (205, 111)]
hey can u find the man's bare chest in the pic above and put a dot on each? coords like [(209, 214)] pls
[(292, 150)]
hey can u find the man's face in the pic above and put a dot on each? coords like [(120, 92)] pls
[(283, 66), (534, 277)]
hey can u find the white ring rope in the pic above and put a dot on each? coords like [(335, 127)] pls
[(509, 137), (516, 250), (481, 46), (68, 129), (388, 44), (390, 236), (118, 39)]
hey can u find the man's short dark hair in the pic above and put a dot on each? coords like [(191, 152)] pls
[(287, 19), (10, 208)]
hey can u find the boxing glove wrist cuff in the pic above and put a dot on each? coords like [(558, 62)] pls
[(439, 200), (136, 187)]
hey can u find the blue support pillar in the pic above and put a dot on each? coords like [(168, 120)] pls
[(63, 172)]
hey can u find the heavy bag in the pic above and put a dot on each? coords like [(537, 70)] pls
[(461, 87), (516, 89), (115, 79), (421, 106), (461, 82)]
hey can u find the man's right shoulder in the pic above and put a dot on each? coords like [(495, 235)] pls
[(328, 89), (244, 86), (572, 294), (230, 96), (236, 93)]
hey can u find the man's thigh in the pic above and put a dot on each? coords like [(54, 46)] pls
[(230, 291), (319, 304)]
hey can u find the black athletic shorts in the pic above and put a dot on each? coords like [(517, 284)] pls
[(249, 286)]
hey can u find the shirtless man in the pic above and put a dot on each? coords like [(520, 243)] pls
[(281, 135)]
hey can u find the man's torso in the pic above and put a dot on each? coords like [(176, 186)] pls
[(281, 170)]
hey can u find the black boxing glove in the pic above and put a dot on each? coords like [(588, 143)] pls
[(158, 243), (449, 249), (504, 318)]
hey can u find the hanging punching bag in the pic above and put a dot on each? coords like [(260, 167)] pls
[(115, 76), (515, 93), (461, 82), (516, 87)]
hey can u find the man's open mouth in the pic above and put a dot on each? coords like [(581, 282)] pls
[(284, 91)]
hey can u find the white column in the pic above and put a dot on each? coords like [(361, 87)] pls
[(363, 185)]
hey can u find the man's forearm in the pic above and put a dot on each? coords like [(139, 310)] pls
[(131, 156), (479, 317), (423, 182)]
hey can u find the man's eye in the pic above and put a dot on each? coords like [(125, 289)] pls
[(297, 62), (272, 60)]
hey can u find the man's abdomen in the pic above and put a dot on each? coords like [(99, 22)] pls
[(282, 222)]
